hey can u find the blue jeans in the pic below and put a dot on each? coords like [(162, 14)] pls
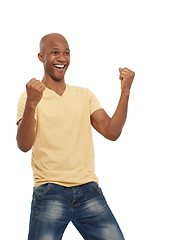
[(54, 206)]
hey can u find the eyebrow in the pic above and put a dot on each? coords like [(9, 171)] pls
[(59, 49)]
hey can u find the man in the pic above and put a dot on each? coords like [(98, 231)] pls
[(54, 119)]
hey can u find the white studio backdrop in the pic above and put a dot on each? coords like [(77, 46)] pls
[(137, 172)]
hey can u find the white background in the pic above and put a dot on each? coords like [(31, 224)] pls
[(137, 172)]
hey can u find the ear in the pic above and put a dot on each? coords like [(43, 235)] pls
[(41, 57)]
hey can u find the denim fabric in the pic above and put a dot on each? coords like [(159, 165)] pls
[(54, 206)]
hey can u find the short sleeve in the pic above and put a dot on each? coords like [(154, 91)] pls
[(94, 104)]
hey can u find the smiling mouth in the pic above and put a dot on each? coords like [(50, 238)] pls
[(60, 67)]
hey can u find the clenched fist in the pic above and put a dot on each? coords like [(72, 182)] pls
[(126, 77), (34, 89)]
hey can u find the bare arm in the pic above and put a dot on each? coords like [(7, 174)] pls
[(111, 128), (26, 129), (26, 126)]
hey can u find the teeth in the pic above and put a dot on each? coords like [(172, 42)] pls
[(59, 66)]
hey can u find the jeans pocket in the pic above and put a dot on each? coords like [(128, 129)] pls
[(41, 191), (96, 188)]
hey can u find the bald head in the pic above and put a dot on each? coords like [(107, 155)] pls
[(54, 51), (52, 37)]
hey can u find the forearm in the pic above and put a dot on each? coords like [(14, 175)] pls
[(26, 129), (116, 123)]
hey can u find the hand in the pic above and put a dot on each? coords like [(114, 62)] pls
[(35, 90), (126, 77)]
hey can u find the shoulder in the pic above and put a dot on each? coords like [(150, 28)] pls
[(23, 94), (23, 97)]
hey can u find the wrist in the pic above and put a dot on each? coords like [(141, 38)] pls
[(126, 92), (30, 105), (29, 112)]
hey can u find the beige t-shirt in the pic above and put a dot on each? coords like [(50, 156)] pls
[(63, 151)]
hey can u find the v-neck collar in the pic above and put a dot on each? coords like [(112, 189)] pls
[(53, 92)]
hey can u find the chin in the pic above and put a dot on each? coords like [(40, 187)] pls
[(57, 79)]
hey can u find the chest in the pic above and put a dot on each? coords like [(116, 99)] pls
[(58, 110)]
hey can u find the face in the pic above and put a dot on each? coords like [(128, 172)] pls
[(55, 57)]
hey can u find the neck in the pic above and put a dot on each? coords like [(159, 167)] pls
[(57, 86)]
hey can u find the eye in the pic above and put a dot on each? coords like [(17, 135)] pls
[(55, 52), (66, 53)]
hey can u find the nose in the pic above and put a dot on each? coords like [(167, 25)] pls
[(60, 57)]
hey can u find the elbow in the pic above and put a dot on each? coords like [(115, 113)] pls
[(22, 147), (113, 137)]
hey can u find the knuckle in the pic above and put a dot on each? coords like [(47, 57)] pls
[(28, 85), (30, 82), (33, 80)]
